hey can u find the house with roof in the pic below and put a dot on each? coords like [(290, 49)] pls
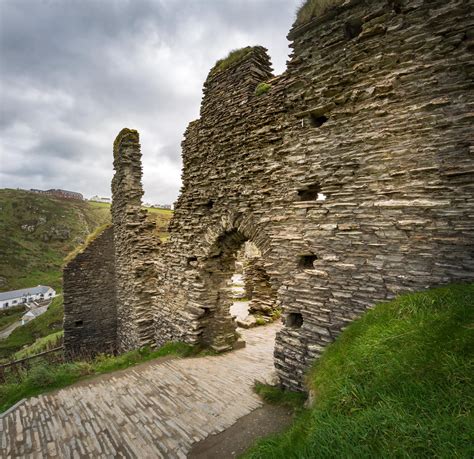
[(26, 295), (33, 314)]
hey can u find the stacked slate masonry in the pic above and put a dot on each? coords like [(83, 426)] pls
[(353, 175)]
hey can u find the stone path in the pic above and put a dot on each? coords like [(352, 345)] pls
[(155, 410)]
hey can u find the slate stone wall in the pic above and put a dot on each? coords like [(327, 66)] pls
[(372, 115), (135, 246), (353, 175), (90, 324)]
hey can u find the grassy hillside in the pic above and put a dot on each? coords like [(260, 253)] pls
[(46, 324), (396, 383), (36, 232)]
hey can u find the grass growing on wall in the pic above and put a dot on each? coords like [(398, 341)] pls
[(397, 383), (44, 377), (49, 322), (234, 56), (314, 8)]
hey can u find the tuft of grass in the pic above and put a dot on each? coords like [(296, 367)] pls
[(233, 57), (262, 88), (396, 383), (45, 377), (278, 396), (314, 8), (49, 322), (259, 320)]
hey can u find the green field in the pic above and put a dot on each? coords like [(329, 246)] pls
[(398, 383), (37, 232), (46, 324)]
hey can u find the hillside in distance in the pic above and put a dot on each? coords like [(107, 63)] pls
[(38, 231)]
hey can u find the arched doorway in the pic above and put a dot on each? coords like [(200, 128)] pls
[(217, 296)]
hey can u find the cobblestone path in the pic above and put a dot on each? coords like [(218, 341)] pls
[(156, 410)]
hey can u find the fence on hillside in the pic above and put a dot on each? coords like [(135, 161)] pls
[(20, 367)]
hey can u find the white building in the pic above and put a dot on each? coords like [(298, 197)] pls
[(26, 295), (33, 314), (100, 199)]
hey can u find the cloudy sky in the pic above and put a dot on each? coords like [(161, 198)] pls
[(75, 72)]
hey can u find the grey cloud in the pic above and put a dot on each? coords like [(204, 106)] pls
[(73, 73)]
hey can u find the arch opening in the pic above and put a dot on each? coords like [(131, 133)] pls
[(236, 293)]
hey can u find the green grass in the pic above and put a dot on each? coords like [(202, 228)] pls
[(49, 322), (30, 258), (314, 8), (262, 88), (90, 238), (277, 396), (11, 315), (396, 383), (44, 377), (40, 345), (233, 57), (58, 226)]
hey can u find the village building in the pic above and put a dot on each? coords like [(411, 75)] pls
[(63, 194), (100, 199), (25, 296)]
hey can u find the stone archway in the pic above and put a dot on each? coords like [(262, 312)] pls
[(216, 324)]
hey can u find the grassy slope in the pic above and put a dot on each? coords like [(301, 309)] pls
[(396, 383), (49, 322), (11, 315), (32, 258)]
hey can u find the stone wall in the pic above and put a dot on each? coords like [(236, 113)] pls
[(135, 246), (353, 175), (90, 324), (373, 115)]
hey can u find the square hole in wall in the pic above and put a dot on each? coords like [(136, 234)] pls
[(78, 323), (310, 192), (294, 320), (307, 261)]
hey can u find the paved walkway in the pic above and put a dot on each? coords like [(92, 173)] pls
[(155, 410)]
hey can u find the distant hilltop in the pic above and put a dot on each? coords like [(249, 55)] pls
[(64, 194)]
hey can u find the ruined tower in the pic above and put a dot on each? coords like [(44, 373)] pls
[(353, 174)]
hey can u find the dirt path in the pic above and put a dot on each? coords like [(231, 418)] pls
[(158, 410)]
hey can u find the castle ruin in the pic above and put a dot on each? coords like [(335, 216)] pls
[(353, 175)]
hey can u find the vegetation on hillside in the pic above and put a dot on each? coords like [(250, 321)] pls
[(234, 56), (396, 383), (36, 232), (314, 8), (10, 315), (49, 322)]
